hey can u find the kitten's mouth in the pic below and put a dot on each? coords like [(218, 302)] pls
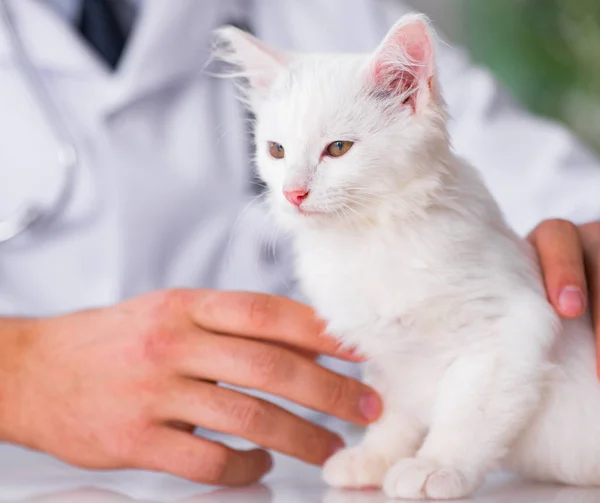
[(310, 213)]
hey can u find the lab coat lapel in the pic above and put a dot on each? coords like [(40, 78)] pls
[(170, 43)]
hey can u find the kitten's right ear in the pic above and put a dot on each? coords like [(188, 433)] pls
[(254, 61), (403, 66)]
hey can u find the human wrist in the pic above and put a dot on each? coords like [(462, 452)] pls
[(17, 336)]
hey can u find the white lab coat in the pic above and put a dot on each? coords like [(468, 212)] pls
[(164, 173), (164, 176)]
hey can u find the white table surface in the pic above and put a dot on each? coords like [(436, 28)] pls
[(35, 478)]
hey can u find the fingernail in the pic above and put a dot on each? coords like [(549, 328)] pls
[(570, 300), (336, 445), (353, 354), (370, 406)]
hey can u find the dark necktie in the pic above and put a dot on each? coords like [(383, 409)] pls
[(100, 26)]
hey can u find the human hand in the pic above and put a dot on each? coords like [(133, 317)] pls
[(570, 260), (121, 387)]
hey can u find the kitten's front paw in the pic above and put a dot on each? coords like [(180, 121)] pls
[(355, 468), (417, 478)]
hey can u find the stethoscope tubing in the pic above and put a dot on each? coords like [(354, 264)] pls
[(67, 153)]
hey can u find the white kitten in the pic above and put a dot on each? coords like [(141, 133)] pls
[(402, 250)]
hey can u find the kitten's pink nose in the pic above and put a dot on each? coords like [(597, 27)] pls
[(296, 196)]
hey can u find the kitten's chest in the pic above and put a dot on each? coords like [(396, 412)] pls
[(363, 283)]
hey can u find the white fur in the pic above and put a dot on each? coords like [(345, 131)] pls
[(402, 250)]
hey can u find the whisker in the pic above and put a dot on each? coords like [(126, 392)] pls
[(239, 220)]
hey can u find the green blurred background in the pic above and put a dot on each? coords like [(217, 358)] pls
[(547, 52)]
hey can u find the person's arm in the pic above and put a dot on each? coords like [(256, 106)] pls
[(16, 335), (124, 386)]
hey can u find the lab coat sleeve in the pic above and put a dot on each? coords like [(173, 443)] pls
[(535, 168)]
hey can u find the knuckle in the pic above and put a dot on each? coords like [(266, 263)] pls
[(210, 470), (314, 443), (339, 393), (159, 343), (270, 364), (250, 416), (126, 442), (211, 304), (171, 300), (162, 328), (260, 310)]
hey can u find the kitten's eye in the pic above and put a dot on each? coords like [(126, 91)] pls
[(338, 148), (276, 150)]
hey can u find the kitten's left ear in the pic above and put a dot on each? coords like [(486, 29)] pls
[(404, 65), (256, 62)]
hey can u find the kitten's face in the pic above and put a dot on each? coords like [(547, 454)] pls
[(326, 145), (339, 135)]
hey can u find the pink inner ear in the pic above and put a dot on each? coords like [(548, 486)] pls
[(394, 80), (417, 46), (405, 60)]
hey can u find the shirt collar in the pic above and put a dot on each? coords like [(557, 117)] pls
[(69, 9), (170, 40)]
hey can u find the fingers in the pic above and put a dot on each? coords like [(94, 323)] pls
[(276, 370), (184, 455), (227, 411), (560, 252), (267, 317), (590, 237)]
